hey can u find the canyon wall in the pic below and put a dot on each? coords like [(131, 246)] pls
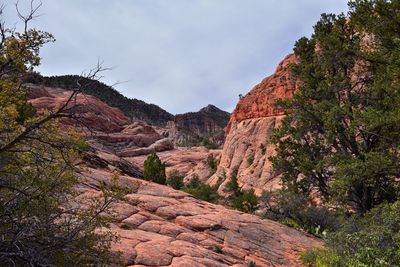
[(247, 143)]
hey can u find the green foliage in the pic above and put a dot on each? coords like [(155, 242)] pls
[(154, 169), (295, 210), (342, 132), (246, 201), (202, 191), (133, 108), (372, 240), (212, 162), (41, 224), (233, 185), (175, 180), (250, 159)]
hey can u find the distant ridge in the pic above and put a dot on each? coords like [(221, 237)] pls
[(204, 127), (133, 108)]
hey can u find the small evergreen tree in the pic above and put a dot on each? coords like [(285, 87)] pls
[(175, 180), (41, 223), (341, 135), (233, 185), (154, 169), (246, 201)]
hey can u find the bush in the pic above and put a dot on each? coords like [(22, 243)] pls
[(194, 182), (212, 162), (233, 185), (154, 169), (246, 201), (250, 159), (202, 191), (175, 180), (295, 210), (371, 240)]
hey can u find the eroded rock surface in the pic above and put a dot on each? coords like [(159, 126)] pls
[(160, 226), (247, 143)]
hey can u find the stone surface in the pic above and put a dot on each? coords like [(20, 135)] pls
[(181, 159), (159, 226), (247, 147), (94, 113)]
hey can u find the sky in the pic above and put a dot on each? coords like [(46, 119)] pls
[(179, 54)]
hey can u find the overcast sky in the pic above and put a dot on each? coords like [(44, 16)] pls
[(178, 54)]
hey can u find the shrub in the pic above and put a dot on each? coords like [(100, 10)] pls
[(371, 240), (233, 185), (250, 159), (246, 201), (194, 182), (295, 210), (154, 169), (202, 191), (212, 162), (175, 180)]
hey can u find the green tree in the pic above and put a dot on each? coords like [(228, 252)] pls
[(246, 201), (341, 135), (202, 191), (233, 185), (212, 162), (371, 240), (154, 169), (175, 180), (41, 224)]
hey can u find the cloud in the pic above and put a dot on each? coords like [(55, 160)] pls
[(178, 54)]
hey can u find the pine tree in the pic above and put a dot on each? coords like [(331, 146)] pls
[(154, 169), (341, 135)]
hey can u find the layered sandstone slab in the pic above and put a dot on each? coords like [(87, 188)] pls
[(159, 226), (181, 159), (247, 143)]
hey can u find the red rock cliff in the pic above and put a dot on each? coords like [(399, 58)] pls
[(247, 147), (259, 102)]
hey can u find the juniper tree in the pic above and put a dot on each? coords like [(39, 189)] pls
[(41, 224), (154, 169), (341, 135)]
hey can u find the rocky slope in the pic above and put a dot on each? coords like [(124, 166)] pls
[(159, 226), (247, 148), (188, 129), (204, 127)]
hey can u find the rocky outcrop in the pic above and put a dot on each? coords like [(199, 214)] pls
[(159, 226), (93, 113), (188, 129), (247, 147), (181, 159), (110, 134), (205, 126)]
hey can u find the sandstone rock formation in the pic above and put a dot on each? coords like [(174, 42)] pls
[(188, 129), (159, 226), (247, 147), (181, 159), (204, 126)]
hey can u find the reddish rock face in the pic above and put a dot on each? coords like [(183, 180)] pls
[(159, 226), (247, 147), (95, 114), (259, 102)]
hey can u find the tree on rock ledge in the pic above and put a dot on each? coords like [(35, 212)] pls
[(41, 224), (341, 136), (154, 169)]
